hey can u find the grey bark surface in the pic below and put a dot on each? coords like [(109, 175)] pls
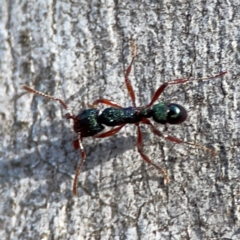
[(78, 51)]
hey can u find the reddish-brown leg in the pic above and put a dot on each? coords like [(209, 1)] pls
[(129, 88), (128, 83), (106, 102), (110, 132), (177, 81), (75, 144), (145, 157), (48, 96), (83, 155), (174, 139), (78, 144), (69, 115)]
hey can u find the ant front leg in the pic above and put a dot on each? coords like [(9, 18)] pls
[(178, 81), (174, 139)]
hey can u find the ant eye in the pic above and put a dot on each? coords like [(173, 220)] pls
[(176, 114)]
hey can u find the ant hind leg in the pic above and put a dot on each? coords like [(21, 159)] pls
[(83, 155), (145, 157)]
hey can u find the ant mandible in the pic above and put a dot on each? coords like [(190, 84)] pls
[(90, 123)]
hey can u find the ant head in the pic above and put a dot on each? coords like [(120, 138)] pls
[(176, 113), (172, 113)]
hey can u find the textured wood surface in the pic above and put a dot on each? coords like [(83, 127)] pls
[(78, 50)]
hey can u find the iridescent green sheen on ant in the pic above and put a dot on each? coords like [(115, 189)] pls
[(172, 113), (87, 123), (145, 112), (176, 114), (159, 112), (117, 116), (112, 116)]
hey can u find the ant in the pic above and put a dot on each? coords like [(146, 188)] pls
[(90, 123)]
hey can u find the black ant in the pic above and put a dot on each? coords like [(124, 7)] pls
[(90, 123)]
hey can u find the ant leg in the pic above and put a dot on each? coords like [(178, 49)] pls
[(177, 81), (104, 101), (79, 141), (128, 85), (174, 139), (127, 81), (75, 144), (68, 115), (83, 155), (102, 135), (110, 132), (46, 96), (78, 144), (129, 88), (145, 157)]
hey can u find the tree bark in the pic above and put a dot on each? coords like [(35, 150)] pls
[(78, 51)]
